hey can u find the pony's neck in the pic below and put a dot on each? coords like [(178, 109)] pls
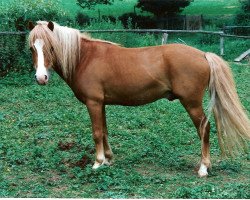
[(87, 45)]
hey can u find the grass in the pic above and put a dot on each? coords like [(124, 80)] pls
[(46, 147), (213, 7)]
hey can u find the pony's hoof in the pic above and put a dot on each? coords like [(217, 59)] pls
[(202, 171), (97, 164), (202, 174)]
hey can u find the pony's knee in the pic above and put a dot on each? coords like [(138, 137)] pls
[(98, 136)]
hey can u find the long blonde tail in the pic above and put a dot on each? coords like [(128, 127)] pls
[(233, 126)]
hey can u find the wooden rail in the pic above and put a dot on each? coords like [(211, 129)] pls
[(164, 33), (230, 27), (13, 33)]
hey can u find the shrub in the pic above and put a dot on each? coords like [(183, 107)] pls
[(18, 13), (138, 20), (243, 18), (160, 8), (82, 19)]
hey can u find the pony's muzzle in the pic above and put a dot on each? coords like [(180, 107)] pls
[(42, 79)]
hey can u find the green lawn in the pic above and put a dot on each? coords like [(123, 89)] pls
[(213, 7), (46, 147)]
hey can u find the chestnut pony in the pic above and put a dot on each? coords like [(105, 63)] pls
[(103, 73)]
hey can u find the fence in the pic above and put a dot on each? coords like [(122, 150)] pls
[(179, 22), (237, 30), (164, 33)]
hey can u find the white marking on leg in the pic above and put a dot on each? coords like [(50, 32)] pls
[(105, 161), (98, 164), (41, 70), (203, 170), (99, 157)]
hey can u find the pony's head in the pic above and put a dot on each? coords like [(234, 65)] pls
[(42, 44), (54, 45)]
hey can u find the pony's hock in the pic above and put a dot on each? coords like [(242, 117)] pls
[(101, 73)]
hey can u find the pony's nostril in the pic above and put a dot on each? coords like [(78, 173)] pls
[(35, 77), (46, 77)]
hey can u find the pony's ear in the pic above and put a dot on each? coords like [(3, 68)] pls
[(51, 26), (30, 25)]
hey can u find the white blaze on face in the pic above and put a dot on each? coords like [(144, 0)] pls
[(41, 71)]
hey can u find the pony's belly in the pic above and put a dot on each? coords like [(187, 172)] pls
[(136, 99)]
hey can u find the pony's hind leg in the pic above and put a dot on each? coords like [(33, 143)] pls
[(199, 119)]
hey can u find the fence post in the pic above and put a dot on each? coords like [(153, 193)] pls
[(221, 44), (164, 38)]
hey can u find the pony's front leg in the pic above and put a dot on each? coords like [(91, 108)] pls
[(107, 149), (95, 110)]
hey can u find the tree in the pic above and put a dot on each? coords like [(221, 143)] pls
[(245, 6), (91, 3), (243, 17), (163, 7)]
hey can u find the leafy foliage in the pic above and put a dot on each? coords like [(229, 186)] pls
[(19, 13), (82, 19), (163, 7), (90, 3), (243, 17), (245, 5), (14, 17)]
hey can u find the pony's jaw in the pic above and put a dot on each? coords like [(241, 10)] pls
[(42, 75)]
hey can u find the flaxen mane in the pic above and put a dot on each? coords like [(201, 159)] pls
[(65, 43)]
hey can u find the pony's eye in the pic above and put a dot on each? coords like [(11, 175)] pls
[(51, 49)]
